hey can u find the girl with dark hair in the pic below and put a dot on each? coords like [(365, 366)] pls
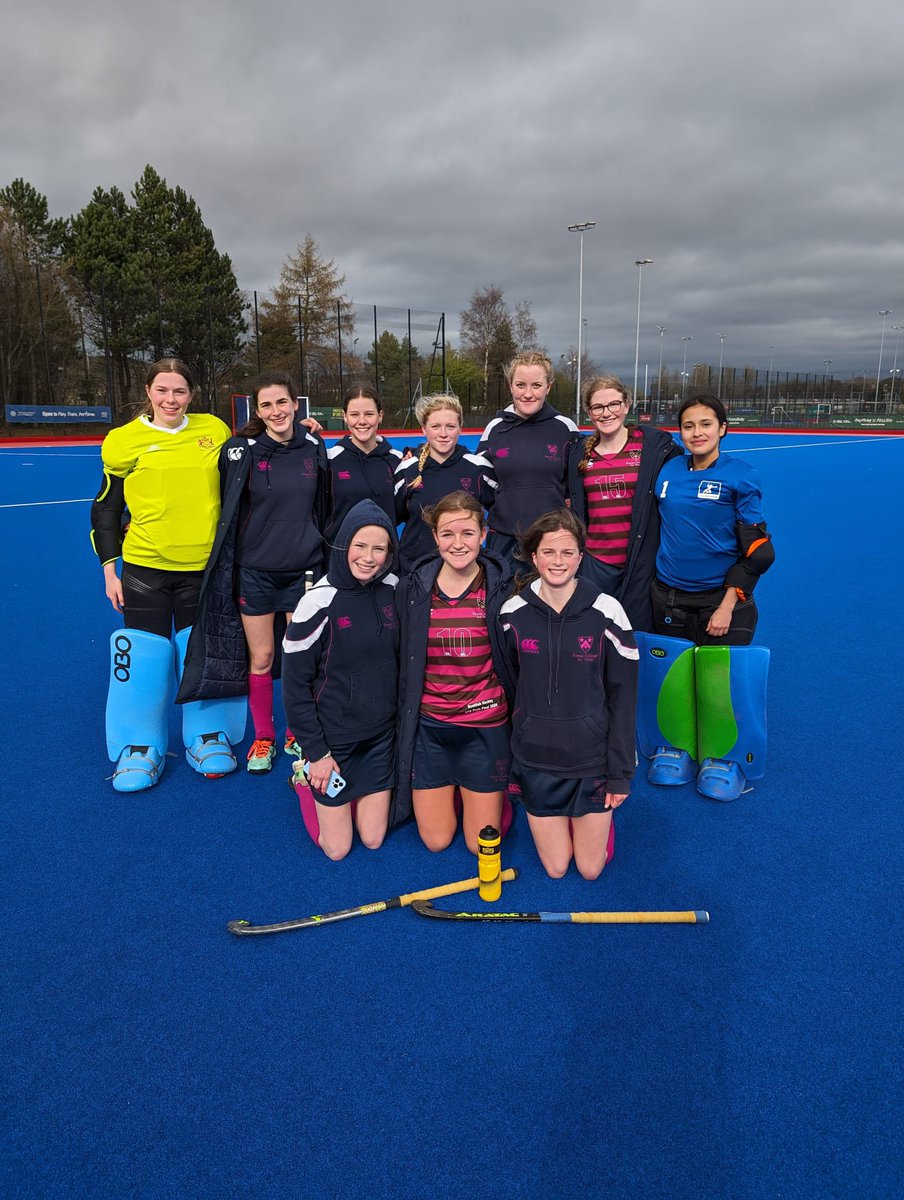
[(275, 487), (611, 487), (362, 464), (714, 545), (163, 466), (702, 709), (453, 730), (441, 467), (573, 655)]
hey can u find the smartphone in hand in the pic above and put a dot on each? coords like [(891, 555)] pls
[(336, 782)]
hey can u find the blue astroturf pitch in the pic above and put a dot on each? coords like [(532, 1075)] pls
[(148, 1053)]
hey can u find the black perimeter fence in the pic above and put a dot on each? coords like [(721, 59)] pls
[(404, 353)]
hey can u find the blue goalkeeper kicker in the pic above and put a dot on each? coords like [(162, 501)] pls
[(666, 708), (205, 723), (731, 718), (138, 700)]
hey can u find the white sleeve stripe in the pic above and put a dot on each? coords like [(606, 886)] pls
[(292, 647), (311, 603), (492, 425), (512, 605), (625, 651), (611, 608)]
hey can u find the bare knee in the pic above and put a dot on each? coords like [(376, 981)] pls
[(435, 840), (372, 840), (589, 871), (260, 662), (335, 848)]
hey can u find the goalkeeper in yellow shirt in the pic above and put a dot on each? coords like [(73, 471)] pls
[(162, 466)]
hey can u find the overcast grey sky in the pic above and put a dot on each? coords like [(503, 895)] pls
[(752, 150)]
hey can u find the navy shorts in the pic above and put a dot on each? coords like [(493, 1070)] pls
[(366, 767), (265, 592), (475, 757), (545, 795)]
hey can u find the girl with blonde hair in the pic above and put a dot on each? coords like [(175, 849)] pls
[(442, 466)]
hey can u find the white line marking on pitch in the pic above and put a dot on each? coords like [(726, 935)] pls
[(41, 503), (810, 445)]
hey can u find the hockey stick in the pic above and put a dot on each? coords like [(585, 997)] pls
[(243, 928), (693, 917)]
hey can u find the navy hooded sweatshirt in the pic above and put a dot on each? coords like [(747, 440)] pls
[(358, 476), (341, 650), (461, 472), (528, 457), (576, 689)]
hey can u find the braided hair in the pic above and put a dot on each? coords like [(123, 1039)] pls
[(438, 402), (598, 383)]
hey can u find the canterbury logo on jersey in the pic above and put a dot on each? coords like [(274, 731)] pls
[(235, 453)]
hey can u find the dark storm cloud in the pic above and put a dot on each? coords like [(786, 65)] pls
[(749, 150)]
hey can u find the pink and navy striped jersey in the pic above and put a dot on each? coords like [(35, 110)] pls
[(609, 483), (460, 685)]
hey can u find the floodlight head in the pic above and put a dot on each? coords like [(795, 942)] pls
[(581, 226), (642, 262)]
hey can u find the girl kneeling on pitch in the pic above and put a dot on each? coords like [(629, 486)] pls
[(453, 708), (340, 683), (573, 654)]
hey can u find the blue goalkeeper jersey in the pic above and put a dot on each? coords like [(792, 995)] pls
[(699, 513)]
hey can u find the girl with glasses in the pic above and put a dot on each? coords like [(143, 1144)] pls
[(611, 481)]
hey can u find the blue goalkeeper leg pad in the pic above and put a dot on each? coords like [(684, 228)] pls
[(210, 727), (138, 700), (666, 708), (731, 718)]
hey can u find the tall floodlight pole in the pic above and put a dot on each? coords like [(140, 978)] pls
[(894, 366), (581, 227), (686, 339), (640, 263), (661, 329), (884, 313), (721, 337)]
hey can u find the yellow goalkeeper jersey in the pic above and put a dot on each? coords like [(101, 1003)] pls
[(172, 489)]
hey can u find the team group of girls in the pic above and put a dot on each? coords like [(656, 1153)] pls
[(484, 657)]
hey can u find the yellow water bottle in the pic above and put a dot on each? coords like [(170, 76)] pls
[(489, 863)]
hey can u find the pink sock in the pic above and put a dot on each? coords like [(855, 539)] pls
[(308, 811), (260, 701)]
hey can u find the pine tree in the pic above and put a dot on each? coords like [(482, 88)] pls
[(307, 304), (154, 283), (38, 331)]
